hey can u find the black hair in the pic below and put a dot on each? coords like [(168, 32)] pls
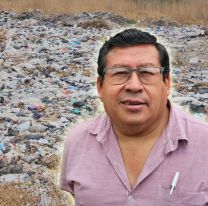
[(132, 37)]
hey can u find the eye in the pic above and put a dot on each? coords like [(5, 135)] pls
[(119, 72), (146, 73)]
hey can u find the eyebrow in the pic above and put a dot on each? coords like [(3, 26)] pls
[(127, 66)]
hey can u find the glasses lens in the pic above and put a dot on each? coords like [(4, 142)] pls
[(118, 75), (150, 75)]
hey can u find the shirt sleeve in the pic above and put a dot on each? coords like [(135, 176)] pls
[(65, 184)]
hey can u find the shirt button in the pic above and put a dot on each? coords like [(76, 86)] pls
[(130, 197)]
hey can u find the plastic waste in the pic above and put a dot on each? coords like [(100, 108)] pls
[(39, 107), (76, 111), (2, 148), (23, 126)]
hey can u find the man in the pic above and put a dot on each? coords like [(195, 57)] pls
[(144, 151)]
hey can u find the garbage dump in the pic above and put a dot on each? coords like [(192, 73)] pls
[(48, 84)]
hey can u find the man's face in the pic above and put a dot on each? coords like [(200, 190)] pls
[(134, 103)]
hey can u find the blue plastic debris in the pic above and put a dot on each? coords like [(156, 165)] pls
[(2, 148), (76, 111)]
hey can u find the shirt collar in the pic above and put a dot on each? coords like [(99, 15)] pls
[(100, 127), (175, 132)]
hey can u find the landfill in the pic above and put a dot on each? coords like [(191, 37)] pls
[(48, 84)]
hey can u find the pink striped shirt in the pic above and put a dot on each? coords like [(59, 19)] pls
[(94, 172)]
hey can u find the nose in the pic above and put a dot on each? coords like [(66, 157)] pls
[(134, 84)]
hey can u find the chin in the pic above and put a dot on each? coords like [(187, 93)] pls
[(133, 121)]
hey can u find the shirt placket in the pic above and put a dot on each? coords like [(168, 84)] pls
[(117, 166), (122, 176), (112, 151)]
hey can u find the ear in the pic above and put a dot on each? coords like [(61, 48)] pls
[(168, 84), (99, 87)]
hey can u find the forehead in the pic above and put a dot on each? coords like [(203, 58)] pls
[(137, 55)]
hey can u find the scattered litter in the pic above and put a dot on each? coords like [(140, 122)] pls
[(47, 82)]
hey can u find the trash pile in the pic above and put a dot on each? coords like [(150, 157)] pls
[(189, 69), (48, 74), (48, 83)]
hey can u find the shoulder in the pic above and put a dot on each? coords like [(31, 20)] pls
[(193, 122), (93, 125), (83, 130), (192, 126)]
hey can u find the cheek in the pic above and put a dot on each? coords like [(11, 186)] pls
[(111, 92), (110, 99), (164, 96), (157, 96)]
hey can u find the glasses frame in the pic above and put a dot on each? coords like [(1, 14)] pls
[(131, 70)]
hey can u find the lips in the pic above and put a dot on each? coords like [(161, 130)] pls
[(133, 102)]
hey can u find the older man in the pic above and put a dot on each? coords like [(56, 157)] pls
[(143, 150)]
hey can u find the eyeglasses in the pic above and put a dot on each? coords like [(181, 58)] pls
[(147, 75)]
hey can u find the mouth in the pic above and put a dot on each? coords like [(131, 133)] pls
[(132, 102)]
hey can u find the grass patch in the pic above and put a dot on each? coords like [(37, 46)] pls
[(183, 11), (97, 23)]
